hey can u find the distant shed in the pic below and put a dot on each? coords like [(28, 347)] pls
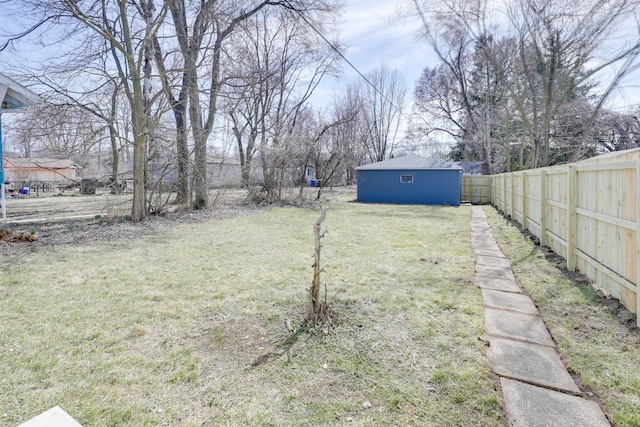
[(410, 180)]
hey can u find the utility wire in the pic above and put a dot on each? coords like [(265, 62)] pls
[(304, 18)]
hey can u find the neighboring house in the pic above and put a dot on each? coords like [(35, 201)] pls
[(410, 180), (224, 172), (471, 168), (32, 172), (221, 172)]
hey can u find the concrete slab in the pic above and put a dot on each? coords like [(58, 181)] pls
[(479, 220), (479, 234), (530, 406), (477, 210), (487, 252), (480, 231), (495, 272), (505, 285), (484, 244), (479, 223), (483, 237), (531, 363), (479, 217), (500, 262), (509, 301), (54, 417), (519, 326)]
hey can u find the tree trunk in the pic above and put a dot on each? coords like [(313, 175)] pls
[(316, 307), (115, 153), (200, 185), (182, 151)]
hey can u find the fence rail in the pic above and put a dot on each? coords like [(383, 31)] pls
[(587, 212)]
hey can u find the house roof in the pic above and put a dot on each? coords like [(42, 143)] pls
[(39, 163), (219, 160), (15, 95), (410, 162), (474, 168)]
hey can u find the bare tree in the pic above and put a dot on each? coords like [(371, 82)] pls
[(557, 47), (123, 31), (59, 130), (280, 64), (381, 99), (334, 149), (203, 30), (617, 131)]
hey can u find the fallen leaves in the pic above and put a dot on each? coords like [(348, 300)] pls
[(10, 236)]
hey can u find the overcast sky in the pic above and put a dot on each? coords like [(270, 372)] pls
[(372, 36)]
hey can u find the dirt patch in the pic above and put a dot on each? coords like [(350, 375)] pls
[(602, 300), (29, 237), (609, 304)]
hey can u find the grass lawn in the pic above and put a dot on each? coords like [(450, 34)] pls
[(188, 326), (599, 342)]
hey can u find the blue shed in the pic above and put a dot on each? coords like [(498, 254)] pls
[(412, 180)]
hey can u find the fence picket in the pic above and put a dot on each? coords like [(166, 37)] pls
[(588, 213)]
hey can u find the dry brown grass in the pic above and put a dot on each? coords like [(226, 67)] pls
[(187, 325)]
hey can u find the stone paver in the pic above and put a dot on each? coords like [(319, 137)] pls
[(505, 285), (54, 417), (493, 261), (518, 326), (495, 272), (529, 363), (486, 252), (508, 301), (488, 238), (484, 245), (531, 406), (537, 389)]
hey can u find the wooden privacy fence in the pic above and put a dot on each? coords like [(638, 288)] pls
[(476, 189), (587, 212)]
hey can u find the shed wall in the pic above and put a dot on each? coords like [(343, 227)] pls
[(429, 187)]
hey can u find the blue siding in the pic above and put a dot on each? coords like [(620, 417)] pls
[(429, 187)]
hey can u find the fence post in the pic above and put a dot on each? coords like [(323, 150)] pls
[(495, 198), (637, 243), (494, 202), (513, 197), (572, 196), (525, 225), (504, 194), (543, 208)]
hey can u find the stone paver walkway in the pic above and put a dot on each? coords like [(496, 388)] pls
[(537, 389), (54, 417)]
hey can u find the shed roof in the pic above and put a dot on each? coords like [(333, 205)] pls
[(40, 163), (411, 161)]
